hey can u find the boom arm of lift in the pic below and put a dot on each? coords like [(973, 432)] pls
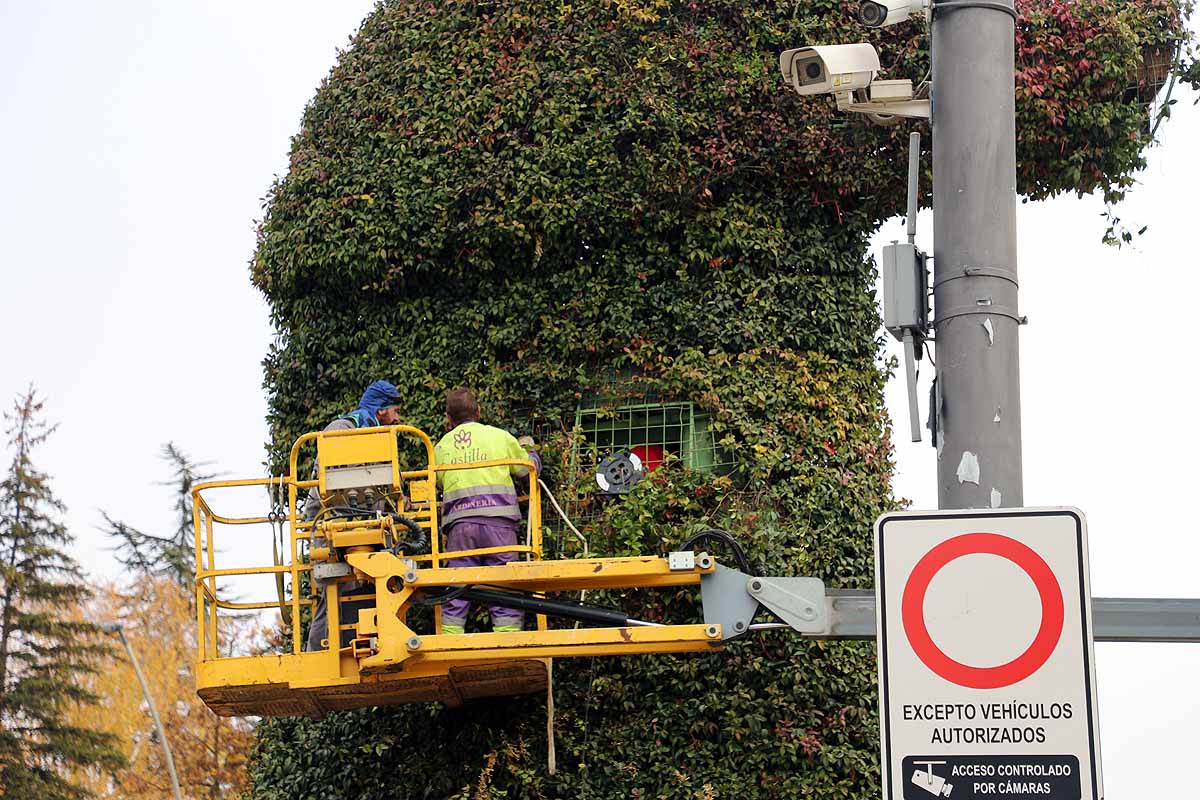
[(373, 656), (731, 600)]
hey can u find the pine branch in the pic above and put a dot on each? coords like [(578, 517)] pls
[(173, 554)]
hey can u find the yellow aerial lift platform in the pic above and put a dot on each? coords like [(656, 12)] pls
[(370, 522)]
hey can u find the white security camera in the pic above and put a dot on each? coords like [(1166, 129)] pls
[(881, 13), (829, 69)]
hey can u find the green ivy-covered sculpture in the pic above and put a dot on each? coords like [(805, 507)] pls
[(553, 202)]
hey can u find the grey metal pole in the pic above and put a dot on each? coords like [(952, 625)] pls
[(117, 628), (852, 615), (975, 250)]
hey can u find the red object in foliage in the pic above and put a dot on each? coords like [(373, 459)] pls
[(651, 455)]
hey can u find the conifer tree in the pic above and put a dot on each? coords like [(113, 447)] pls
[(45, 655), (172, 555)]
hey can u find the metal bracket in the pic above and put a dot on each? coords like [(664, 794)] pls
[(955, 5), (977, 272), (681, 560), (731, 599), (325, 571), (800, 602), (727, 601), (917, 109), (979, 309)]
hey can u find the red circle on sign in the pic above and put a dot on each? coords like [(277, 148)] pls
[(912, 609)]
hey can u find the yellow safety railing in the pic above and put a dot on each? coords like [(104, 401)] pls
[(391, 656), (423, 509)]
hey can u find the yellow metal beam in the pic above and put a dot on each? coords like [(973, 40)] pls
[(481, 551), (473, 647), (318, 668), (359, 537), (542, 576)]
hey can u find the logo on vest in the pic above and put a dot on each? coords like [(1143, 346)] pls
[(462, 440)]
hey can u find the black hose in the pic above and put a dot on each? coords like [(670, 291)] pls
[(420, 537), (713, 534), (419, 542), (570, 609), (427, 598), (340, 511), (553, 607), (345, 512)]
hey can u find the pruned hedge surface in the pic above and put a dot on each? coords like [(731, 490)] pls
[(529, 198)]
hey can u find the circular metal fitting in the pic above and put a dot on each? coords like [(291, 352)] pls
[(410, 576), (712, 631), (756, 585), (705, 561), (809, 613), (739, 626), (414, 643)]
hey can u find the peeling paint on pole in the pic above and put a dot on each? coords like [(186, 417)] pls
[(968, 468)]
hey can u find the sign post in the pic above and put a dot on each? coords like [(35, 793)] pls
[(987, 684)]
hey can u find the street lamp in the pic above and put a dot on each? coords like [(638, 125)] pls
[(119, 630)]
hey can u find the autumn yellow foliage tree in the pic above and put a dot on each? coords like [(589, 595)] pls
[(209, 751)]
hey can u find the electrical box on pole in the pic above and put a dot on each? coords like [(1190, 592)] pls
[(905, 297), (906, 290)]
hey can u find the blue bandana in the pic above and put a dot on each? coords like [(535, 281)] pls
[(379, 394)]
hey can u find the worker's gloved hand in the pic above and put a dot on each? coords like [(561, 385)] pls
[(527, 442)]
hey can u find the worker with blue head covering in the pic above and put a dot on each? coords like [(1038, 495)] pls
[(380, 405)]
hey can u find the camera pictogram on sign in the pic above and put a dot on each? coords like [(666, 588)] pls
[(927, 780)]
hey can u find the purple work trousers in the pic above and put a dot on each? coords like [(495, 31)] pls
[(475, 533)]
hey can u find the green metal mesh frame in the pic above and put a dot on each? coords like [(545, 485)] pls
[(682, 433), (605, 426)]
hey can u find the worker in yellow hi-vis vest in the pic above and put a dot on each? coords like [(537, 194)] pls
[(479, 506)]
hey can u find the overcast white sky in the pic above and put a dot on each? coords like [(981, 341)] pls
[(140, 137)]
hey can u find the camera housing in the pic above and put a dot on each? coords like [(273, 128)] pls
[(882, 13), (829, 69)]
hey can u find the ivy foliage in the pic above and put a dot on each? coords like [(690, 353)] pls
[(530, 197), (1069, 55)]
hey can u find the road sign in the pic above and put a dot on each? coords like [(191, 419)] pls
[(987, 686)]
